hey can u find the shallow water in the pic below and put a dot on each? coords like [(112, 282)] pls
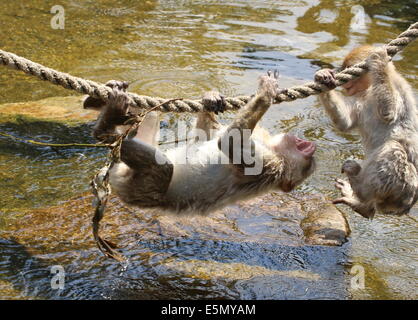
[(181, 49)]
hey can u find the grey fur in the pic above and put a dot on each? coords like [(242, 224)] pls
[(199, 187), (386, 117)]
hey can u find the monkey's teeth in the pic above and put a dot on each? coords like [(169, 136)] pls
[(308, 149), (303, 144)]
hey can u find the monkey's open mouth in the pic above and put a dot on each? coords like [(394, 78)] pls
[(307, 148)]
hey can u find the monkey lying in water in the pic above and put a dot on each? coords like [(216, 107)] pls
[(146, 177), (382, 107)]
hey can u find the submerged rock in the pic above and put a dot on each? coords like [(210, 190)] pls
[(61, 109), (325, 224)]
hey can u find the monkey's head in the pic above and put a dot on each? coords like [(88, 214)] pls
[(298, 155), (361, 84)]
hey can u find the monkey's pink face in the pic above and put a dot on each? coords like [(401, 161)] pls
[(359, 85), (298, 154), (296, 147)]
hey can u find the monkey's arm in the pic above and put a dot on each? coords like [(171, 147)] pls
[(249, 116), (244, 123), (236, 138), (235, 142), (382, 89), (206, 125), (342, 114)]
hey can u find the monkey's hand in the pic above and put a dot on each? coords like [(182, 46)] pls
[(269, 85), (213, 101), (347, 193), (326, 77), (377, 60), (97, 104)]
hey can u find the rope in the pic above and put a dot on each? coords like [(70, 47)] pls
[(101, 91)]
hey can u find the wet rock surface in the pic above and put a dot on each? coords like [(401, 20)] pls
[(324, 224), (63, 109)]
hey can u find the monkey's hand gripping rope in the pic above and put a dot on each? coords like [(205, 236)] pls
[(100, 182)]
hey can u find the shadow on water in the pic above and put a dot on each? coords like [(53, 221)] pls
[(33, 175)]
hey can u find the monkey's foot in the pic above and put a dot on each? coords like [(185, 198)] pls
[(269, 84), (349, 198), (347, 193), (345, 188), (213, 101), (121, 85), (96, 104)]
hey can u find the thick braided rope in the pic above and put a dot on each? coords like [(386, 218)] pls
[(101, 91)]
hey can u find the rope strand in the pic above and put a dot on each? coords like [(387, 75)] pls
[(97, 90)]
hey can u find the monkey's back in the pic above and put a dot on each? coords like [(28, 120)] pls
[(202, 179)]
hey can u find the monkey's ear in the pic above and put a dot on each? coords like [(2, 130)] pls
[(93, 104)]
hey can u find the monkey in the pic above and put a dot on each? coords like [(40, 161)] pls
[(216, 173), (381, 106)]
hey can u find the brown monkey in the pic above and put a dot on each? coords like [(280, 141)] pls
[(236, 162), (380, 104)]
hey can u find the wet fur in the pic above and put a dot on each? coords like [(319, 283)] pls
[(386, 117)]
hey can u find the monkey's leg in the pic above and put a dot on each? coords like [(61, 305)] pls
[(351, 168), (213, 101), (364, 208), (206, 126), (149, 129), (152, 172), (362, 192)]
